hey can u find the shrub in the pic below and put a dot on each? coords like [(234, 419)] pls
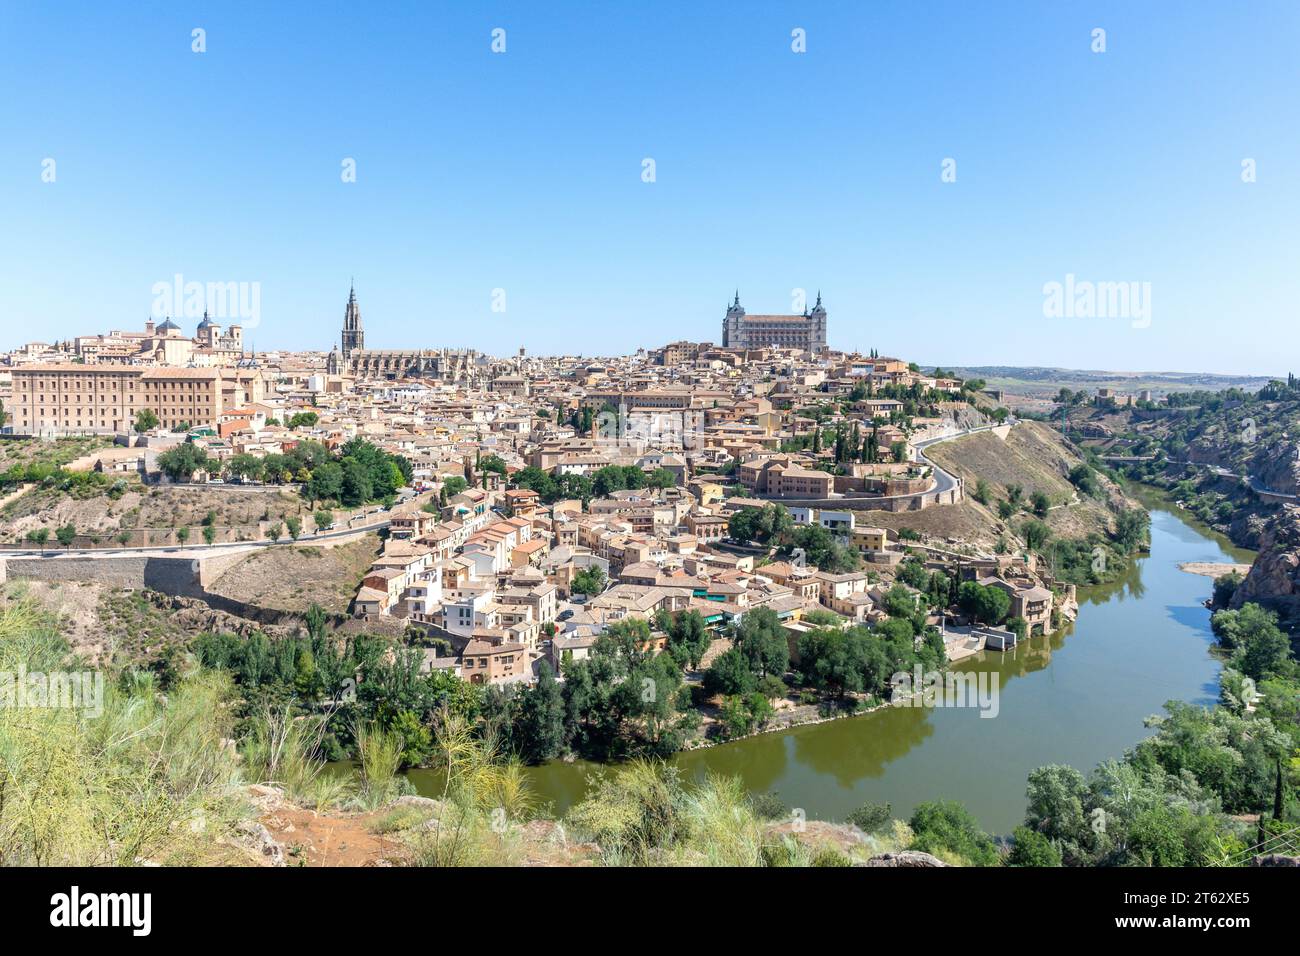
[(870, 817), (947, 829)]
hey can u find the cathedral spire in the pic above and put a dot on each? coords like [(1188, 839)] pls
[(354, 337)]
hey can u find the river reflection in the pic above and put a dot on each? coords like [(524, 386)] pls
[(1078, 697)]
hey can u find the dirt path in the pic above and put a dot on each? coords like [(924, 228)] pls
[(313, 840)]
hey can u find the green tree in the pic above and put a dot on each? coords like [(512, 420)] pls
[(1031, 848), (765, 525), (1260, 648), (988, 604), (1041, 504), (532, 477), (1035, 534), (145, 420), (245, 466), (1132, 529), (589, 581), (180, 463), (843, 662), (761, 639), (303, 418), (358, 486), (66, 534), (326, 483), (1084, 478), (541, 720), (688, 638), (660, 478), (946, 828), (1225, 586), (822, 550), (729, 674), (1056, 808)]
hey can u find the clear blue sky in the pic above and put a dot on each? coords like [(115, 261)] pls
[(775, 170)]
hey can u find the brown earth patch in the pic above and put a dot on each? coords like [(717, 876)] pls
[(292, 577)]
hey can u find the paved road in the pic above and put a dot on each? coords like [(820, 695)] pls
[(943, 481), (53, 551), (1249, 480), (1252, 481)]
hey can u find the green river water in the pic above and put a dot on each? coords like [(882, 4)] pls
[(1078, 697)]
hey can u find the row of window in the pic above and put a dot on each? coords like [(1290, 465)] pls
[(483, 661)]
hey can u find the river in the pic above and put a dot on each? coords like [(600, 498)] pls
[(1078, 697)]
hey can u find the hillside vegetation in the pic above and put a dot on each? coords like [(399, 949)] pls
[(1202, 446), (149, 515), (1032, 476), (21, 452)]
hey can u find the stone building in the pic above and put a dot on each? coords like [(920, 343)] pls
[(391, 364), (806, 332), (63, 399)]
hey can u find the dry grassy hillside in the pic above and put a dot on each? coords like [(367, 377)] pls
[(63, 451), (152, 511), (123, 627), (941, 525), (291, 578), (1034, 457)]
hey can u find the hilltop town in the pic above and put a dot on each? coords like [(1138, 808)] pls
[(384, 562), (501, 514)]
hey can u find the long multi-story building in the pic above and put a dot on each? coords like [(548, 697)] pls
[(69, 398), (806, 332)]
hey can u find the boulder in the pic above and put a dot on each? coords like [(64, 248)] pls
[(908, 858), (257, 839)]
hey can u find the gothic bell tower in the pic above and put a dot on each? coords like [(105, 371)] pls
[(354, 336)]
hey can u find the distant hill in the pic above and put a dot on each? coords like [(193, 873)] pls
[(1038, 381)]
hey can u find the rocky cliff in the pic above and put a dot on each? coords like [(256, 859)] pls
[(1274, 578)]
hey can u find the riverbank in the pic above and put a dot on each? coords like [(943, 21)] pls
[(1211, 569), (1078, 697), (1153, 496)]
